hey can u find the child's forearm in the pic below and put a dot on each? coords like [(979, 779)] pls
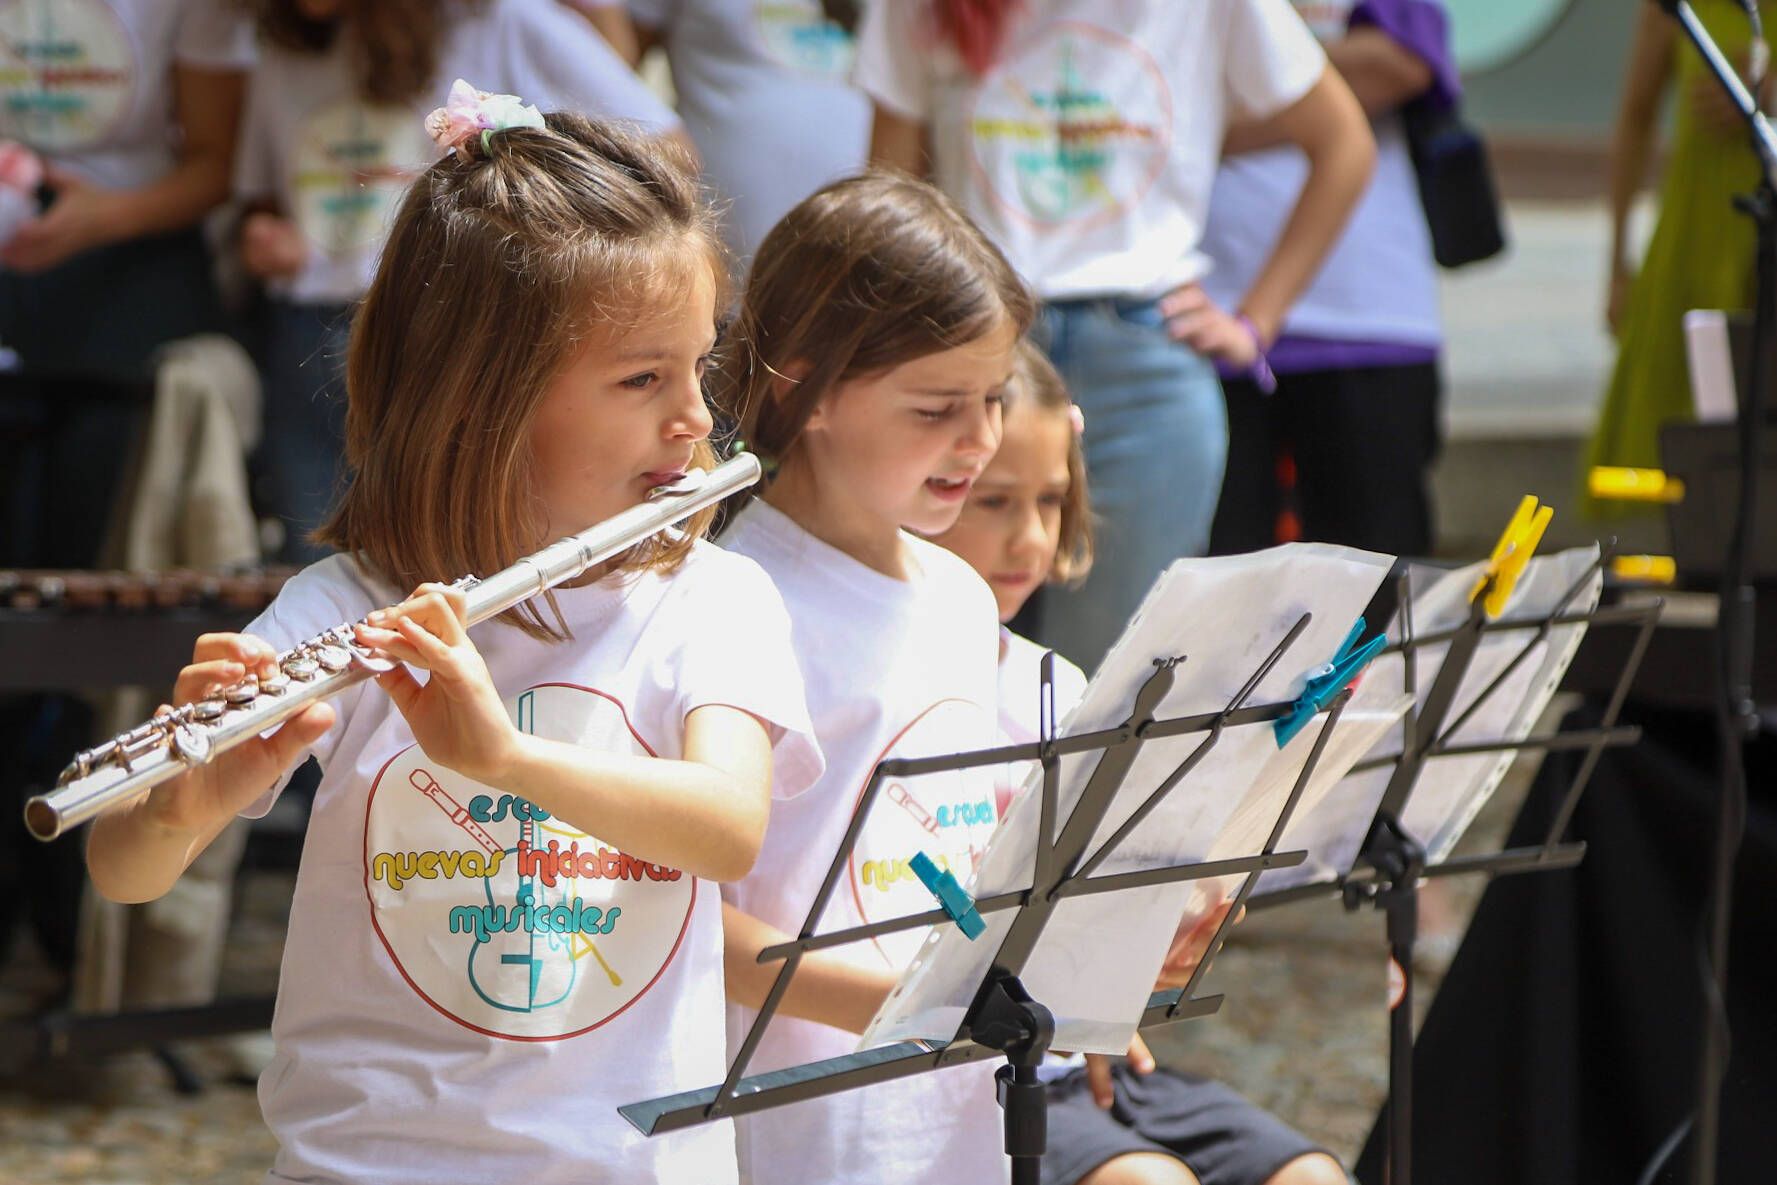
[(133, 859), (1331, 130), (685, 814), (825, 988)]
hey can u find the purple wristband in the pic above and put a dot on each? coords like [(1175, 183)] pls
[(1260, 370)]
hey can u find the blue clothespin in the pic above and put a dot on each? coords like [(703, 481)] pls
[(1327, 681), (951, 896)]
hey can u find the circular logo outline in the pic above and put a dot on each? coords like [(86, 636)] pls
[(1048, 34), (395, 960)]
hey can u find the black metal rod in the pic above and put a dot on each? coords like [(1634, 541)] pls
[(1737, 714), (1140, 814), (1541, 636), (1232, 917)]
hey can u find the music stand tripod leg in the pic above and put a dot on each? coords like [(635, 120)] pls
[(1004, 1017), (1399, 862)]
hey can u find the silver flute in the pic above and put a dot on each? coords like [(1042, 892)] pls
[(173, 743)]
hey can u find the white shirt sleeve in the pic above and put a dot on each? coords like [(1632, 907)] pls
[(214, 35), (1271, 58), (743, 658), (557, 61), (889, 66)]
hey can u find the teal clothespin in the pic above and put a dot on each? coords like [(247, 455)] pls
[(1327, 681), (951, 896)]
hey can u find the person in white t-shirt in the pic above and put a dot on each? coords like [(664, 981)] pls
[(132, 107), (1083, 138), (1356, 404), (763, 87), (505, 924), (866, 361), (1027, 522), (330, 139)]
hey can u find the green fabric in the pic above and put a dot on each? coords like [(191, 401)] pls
[(1700, 257)]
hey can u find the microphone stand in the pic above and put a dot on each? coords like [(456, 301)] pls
[(1737, 713)]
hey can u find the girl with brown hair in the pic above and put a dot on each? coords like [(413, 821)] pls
[(503, 925), (330, 140), (867, 362), (1027, 523)]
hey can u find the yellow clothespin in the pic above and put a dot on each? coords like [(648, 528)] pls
[(1512, 554), (1645, 569), (1618, 484)]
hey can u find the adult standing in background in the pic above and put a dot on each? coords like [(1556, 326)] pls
[(1084, 138), (1701, 253), (334, 132), (763, 87), (133, 105), (1357, 398)]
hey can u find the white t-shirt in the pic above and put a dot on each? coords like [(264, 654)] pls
[(1088, 152), (89, 83), (339, 166), (431, 1027), (763, 89), (893, 669), (1378, 283), (1021, 682)]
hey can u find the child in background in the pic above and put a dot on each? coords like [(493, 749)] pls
[(329, 142), (503, 926), (1027, 522)]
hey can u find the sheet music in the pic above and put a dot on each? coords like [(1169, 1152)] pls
[(1097, 960), (1450, 790)]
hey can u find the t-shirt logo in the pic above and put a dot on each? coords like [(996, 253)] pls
[(503, 918), (797, 36), (67, 72), (353, 163), (1072, 128), (948, 816)]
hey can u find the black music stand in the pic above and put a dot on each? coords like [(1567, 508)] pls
[(1391, 861), (1004, 1020)]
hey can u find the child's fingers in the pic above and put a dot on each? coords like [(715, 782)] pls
[(1141, 1058), (455, 599), (431, 609), (264, 759), (389, 643), (200, 679), (434, 655), (245, 649), (401, 687), (1098, 1081)]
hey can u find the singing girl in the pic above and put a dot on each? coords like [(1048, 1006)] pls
[(505, 923), (867, 362)]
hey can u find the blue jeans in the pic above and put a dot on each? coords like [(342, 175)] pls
[(302, 455), (1156, 440)]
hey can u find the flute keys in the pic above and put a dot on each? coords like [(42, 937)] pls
[(205, 710), (242, 693), (192, 744), (275, 685), (302, 669), (334, 658)]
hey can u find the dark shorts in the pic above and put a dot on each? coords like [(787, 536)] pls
[(1220, 1137)]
